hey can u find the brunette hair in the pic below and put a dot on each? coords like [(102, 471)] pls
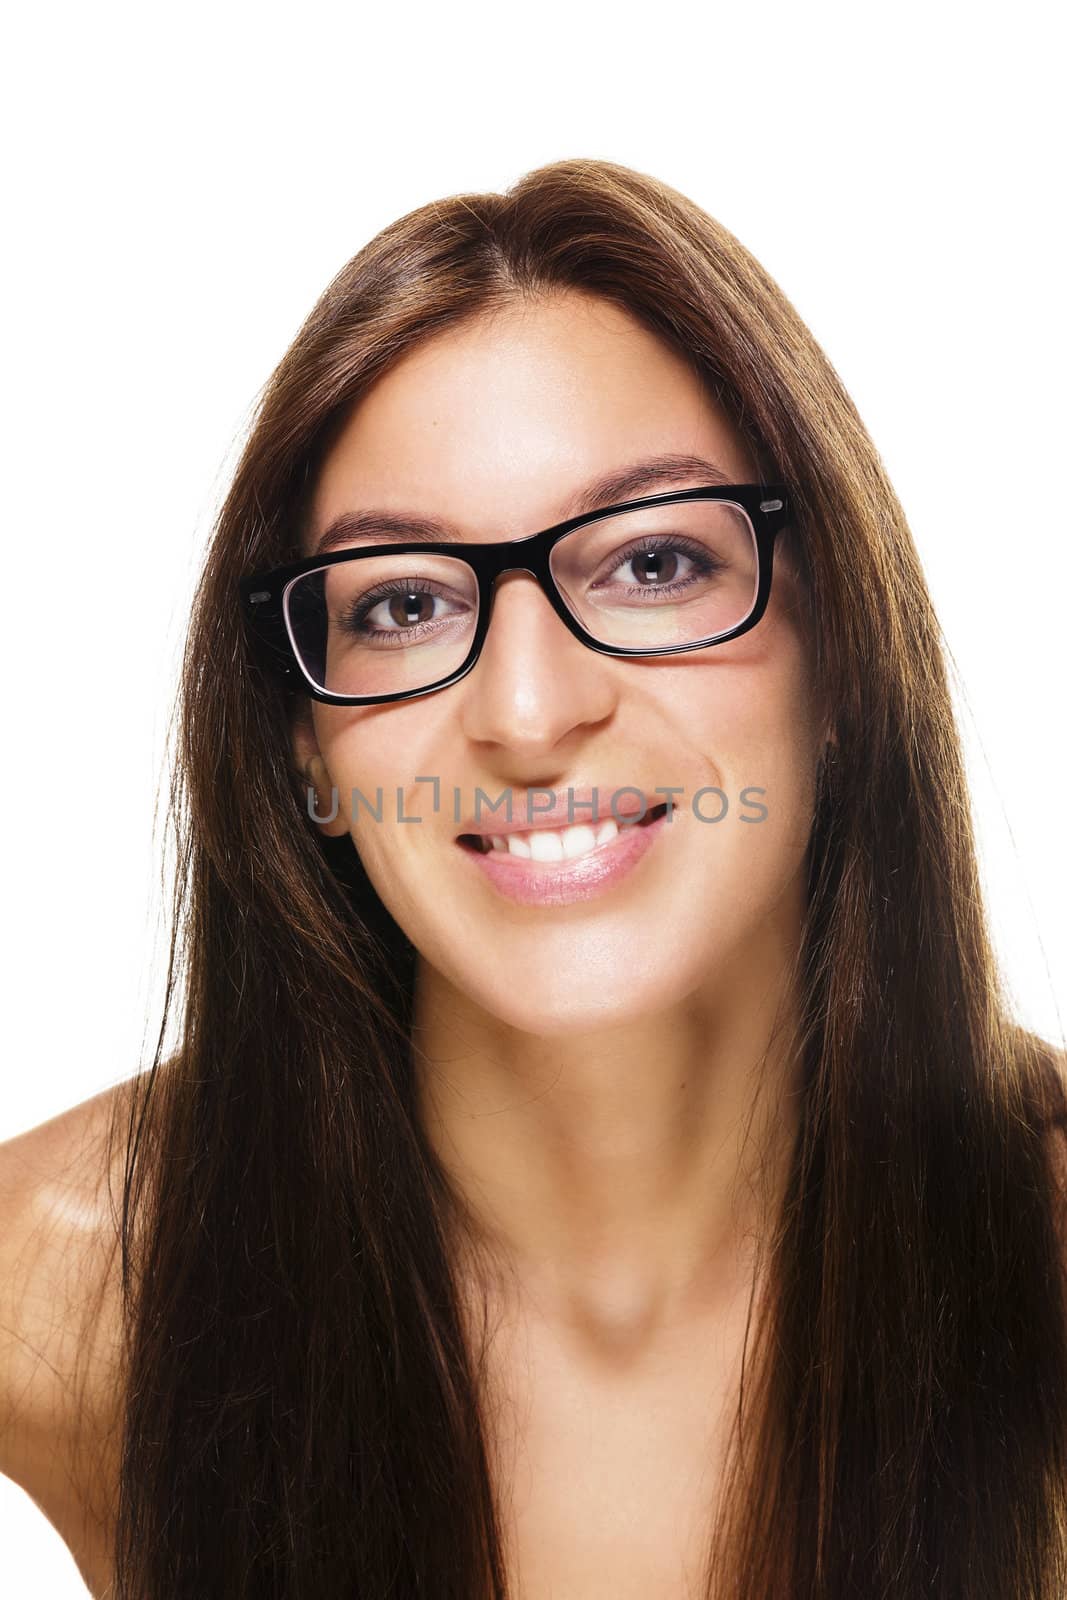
[(303, 1410)]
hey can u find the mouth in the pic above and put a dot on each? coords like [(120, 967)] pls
[(558, 844)]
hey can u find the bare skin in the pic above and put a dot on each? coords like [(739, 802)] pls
[(60, 1321), (584, 1070), (582, 1469), (586, 1073), (588, 1460)]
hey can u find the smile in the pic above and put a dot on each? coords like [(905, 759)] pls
[(558, 866), (556, 844)]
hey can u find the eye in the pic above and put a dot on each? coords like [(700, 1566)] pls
[(662, 563), (399, 611)]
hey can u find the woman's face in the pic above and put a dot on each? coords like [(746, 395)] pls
[(496, 427)]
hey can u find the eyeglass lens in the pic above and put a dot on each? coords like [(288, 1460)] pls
[(658, 575)]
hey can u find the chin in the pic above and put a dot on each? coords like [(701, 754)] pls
[(570, 1004)]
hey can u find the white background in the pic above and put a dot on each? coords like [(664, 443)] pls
[(180, 186)]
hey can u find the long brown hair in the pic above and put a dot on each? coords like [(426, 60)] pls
[(304, 1414)]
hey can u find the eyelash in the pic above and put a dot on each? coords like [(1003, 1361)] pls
[(653, 544), (650, 544), (355, 616)]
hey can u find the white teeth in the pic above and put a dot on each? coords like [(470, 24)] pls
[(577, 840), (556, 844), (545, 846)]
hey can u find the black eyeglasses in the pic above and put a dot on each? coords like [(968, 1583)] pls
[(380, 622)]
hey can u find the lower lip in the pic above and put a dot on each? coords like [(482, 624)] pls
[(564, 883)]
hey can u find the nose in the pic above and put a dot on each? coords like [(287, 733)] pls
[(534, 682)]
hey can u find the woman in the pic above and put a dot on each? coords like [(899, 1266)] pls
[(667, 1206)]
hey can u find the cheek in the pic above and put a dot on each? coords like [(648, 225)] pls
[(752, 697), (753, 722), (782, 760), (374, 756)]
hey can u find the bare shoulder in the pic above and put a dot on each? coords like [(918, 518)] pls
[(61, 1318)]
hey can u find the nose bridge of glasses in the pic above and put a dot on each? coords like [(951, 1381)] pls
[(508, 571), (525, 557), (517, 558)]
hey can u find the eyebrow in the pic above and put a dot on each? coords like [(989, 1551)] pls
[(621, 484)]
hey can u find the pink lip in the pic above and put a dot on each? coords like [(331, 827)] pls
[(562, 883)]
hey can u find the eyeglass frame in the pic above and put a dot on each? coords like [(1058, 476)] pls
[(263, 594)]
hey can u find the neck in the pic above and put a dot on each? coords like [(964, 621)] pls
[(618, 1179)]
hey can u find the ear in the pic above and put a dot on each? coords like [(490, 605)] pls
[(312, 767)]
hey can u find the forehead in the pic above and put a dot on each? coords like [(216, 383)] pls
[(496, 423)]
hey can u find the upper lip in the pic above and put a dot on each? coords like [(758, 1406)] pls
[(571, 808)]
